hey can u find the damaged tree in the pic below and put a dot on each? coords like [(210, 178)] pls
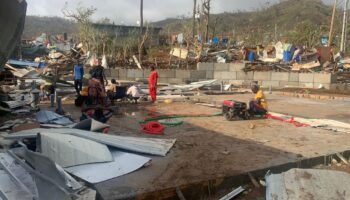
[(206, 11)]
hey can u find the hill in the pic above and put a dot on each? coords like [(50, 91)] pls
[(35, 25), (284, 16)]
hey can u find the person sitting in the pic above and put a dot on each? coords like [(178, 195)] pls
[(259, 105), (133, 93), (112, 90)]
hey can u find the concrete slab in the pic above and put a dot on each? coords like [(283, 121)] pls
[(122, 74), (182, 74), (236, 67), (209, 74), (222, 151), (273, 84), (280, 76), (306, 77), (166, 73), (114, 73), (198, 74), (245, 75), (288, 84), (225, 75), (325, 78), (134, 73), (294, 77), (262, 76), (221, 67), (205, 66)]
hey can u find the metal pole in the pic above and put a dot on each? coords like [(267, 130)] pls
[(343, 36), (330, 38)]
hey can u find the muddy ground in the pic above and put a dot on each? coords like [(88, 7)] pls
[(210, 148)]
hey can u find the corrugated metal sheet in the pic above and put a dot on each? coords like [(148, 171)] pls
[(123, 163), (15, 181), (90, 125), (153, 146), (308, 184), (69, 150), (47, 117), (15, 104)]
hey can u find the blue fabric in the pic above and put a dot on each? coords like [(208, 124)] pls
[(216, 40), (251, 56), (78, 72)]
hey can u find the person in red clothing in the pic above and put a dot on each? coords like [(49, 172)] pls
[(152, 84)]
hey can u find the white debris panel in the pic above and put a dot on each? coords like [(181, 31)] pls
[(123, 163), (69, 150), (152, 146), (308, 184)]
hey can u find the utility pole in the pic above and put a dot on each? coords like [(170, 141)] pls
[(345, 18), (330, 38), (194, 18), (141, 31)]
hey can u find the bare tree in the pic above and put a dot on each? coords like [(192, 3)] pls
[(206, 11)]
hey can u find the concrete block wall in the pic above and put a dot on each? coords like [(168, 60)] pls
[(229, 73)]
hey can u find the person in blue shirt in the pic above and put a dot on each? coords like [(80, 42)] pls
[(78, 76)]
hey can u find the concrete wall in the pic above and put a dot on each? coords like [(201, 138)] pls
[(230, 73)]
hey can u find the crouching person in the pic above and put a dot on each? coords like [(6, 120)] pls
[(134, 93), (259, 105)]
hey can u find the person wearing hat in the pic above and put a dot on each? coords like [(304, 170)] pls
[(78, 76), (259, 105)]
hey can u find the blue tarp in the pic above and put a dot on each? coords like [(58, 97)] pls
[(23, 63)]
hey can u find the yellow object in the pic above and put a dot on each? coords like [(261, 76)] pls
[(84, 91), (260, 95), (168, 101)]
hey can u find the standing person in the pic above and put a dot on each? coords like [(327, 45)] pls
[(78, 77), (152, 84), (97, 72)]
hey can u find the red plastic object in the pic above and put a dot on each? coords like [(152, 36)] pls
[(291, 120), (153, 128), (229, 103)]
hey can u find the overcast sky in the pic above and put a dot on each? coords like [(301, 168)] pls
[(127, 11)]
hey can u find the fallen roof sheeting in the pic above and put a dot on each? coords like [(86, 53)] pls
[(327, 124), (69, 150), (153, 146), (47, 117), (124, 163), (90, 125), (15, 181), (305, 184)]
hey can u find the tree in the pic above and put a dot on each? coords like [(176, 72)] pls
[(206, 11), (82, 16)]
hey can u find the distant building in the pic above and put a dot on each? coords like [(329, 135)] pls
[(121, 31)]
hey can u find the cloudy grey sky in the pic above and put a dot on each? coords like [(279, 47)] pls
[(127, 11)]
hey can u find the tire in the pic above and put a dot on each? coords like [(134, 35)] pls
[(228, 116)]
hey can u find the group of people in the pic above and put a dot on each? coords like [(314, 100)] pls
[(98, 89)]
